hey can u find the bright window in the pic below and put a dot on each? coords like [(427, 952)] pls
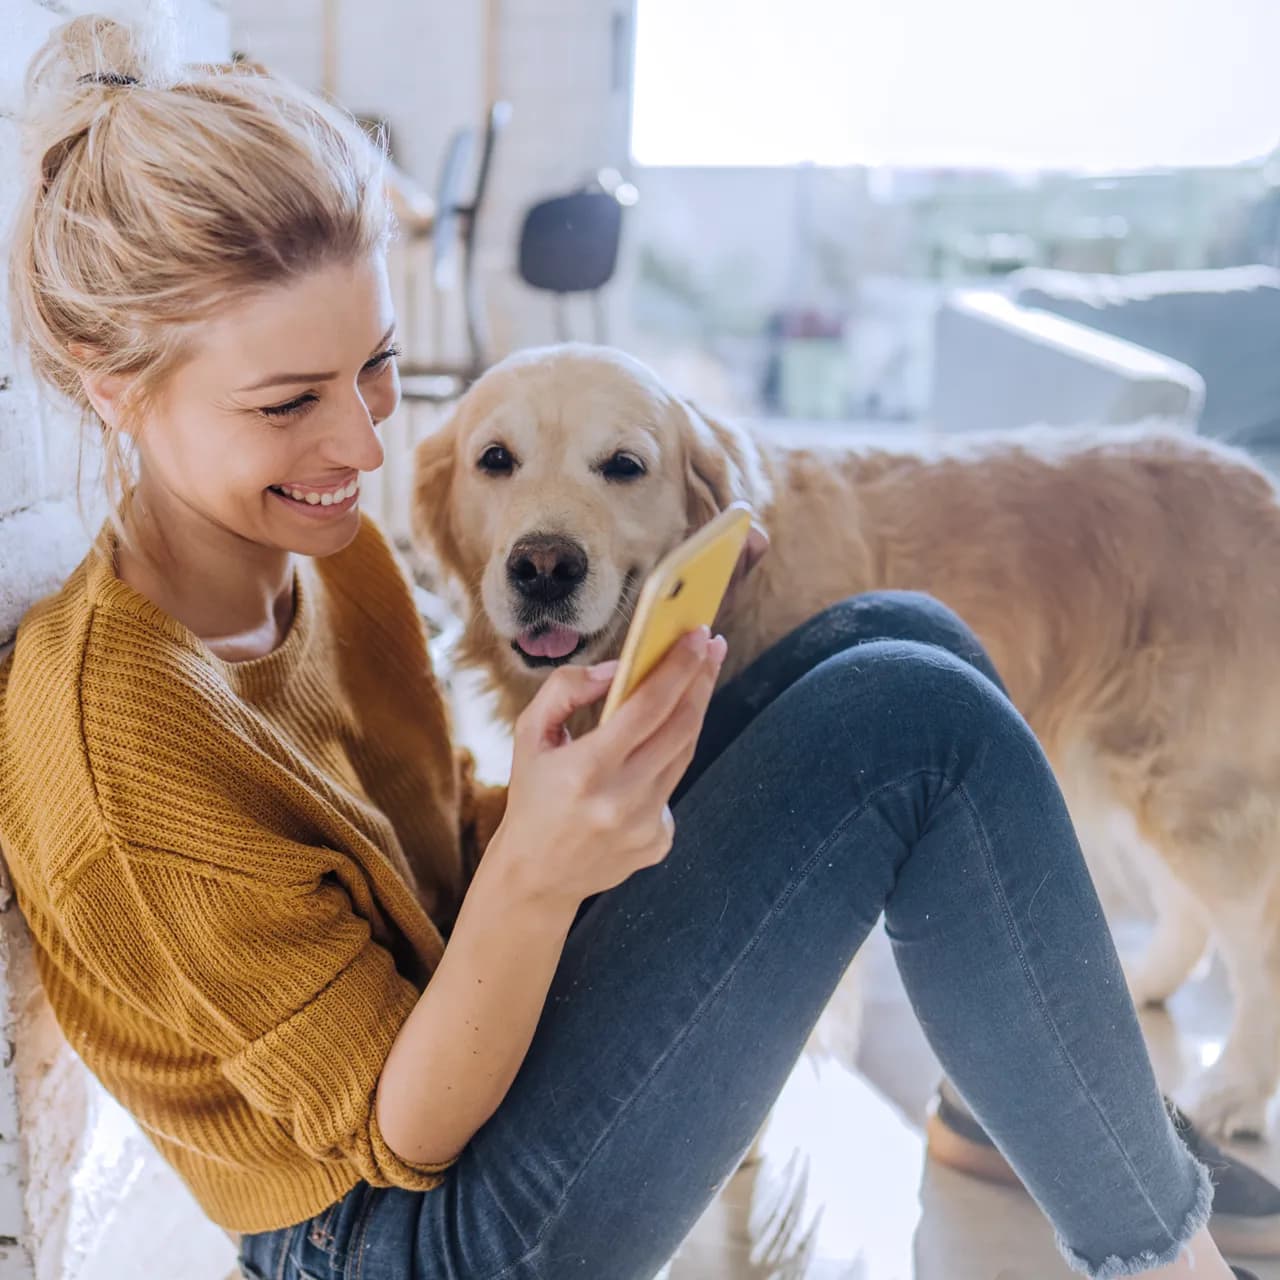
[(1017, 84)]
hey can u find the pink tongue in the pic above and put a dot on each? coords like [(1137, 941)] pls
[(554, 642)]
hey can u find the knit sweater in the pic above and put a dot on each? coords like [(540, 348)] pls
[(237, 875)]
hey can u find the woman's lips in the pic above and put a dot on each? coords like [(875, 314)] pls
[(318, 503)]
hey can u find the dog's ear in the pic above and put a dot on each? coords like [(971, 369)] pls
[(721, 466), (432, 515)]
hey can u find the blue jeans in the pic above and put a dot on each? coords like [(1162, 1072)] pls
[(868, 763)]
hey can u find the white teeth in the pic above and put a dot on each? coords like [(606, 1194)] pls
[(348, 490)]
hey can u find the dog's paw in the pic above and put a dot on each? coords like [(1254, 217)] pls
[(1225, 1106)]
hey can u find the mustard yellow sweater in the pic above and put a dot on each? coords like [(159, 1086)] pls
[(231, 870)]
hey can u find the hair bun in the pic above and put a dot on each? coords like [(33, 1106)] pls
[(65, 79)]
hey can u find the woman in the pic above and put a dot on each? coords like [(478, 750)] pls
[(241, 836)]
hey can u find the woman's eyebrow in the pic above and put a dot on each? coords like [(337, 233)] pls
[(280, 379)]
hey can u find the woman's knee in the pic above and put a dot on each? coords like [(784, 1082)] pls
[(913, 691), (924, 619)]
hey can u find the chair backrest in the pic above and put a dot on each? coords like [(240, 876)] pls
[(449, 207), (454, 234), (569, 244), (498, 119)]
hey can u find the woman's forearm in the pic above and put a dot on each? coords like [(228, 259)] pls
[(459, 1050)]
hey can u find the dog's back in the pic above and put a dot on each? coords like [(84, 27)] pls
[(1125, 586)]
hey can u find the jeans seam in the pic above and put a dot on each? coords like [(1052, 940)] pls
[(355, 1243), (836, 831), (1043, 1004)]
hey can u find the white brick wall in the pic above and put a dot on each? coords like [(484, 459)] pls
[(83, 1196)]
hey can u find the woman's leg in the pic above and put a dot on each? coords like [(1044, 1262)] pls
[(892, 776), (1246, 1208), (874, 615)]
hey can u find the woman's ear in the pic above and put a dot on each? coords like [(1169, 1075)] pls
[(104, 390), (432, 516)]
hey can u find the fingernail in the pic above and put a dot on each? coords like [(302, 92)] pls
[(603, 670), (698, 640), (717, 650)]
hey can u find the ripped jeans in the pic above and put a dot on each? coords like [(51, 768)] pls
[(868, 763)]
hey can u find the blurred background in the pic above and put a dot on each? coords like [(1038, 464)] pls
[(800, 188)]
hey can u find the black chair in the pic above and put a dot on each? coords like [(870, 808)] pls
[(569, 244), (454, 251)]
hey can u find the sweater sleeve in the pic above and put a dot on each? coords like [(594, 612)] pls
[(285, 988)]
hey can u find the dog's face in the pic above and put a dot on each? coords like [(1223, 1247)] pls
[(561, 480)]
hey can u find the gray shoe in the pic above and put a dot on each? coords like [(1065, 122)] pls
[(1245, 1222)]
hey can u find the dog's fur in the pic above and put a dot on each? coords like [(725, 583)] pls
[(1123, 582)]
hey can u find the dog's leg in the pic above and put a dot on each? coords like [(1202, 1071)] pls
[(1178, 942), (1219, 837), (1231, 1098)]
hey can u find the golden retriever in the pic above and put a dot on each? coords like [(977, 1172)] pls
[(1124, 583)]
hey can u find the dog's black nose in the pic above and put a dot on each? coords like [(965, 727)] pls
[(545, 567)]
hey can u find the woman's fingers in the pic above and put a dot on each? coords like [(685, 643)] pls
[(567, 690), (654, 699), (666, 753)]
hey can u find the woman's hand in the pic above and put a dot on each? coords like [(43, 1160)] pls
[(583, 814)]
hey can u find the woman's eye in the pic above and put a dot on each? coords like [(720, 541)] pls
[(622, 466), (296, 406), (497, 461), (290, 408)]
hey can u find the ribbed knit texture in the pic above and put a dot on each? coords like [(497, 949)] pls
[(236, 874)]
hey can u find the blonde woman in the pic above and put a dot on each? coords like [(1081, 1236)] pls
[(250, 856)]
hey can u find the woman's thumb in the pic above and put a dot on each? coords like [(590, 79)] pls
[(568, 690)]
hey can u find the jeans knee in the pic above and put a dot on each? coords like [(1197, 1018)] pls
[(924, 619), (928, 695)]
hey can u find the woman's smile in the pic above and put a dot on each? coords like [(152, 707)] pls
[(320, 503)]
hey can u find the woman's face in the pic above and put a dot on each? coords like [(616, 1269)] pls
[(265, 430)]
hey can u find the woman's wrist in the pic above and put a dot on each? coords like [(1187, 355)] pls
[(507, 877)]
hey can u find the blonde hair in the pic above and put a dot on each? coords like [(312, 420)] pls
[(155, 196)]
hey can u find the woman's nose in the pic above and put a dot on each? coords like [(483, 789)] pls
[(356, 442)]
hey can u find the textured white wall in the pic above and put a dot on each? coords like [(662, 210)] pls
[(83, 1196)]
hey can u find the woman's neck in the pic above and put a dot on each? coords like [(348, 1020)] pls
[(237, 596)]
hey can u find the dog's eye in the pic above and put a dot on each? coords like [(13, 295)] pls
[(497, 461), (622, 466)]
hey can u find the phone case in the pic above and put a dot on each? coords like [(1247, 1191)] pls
[(682, 593)]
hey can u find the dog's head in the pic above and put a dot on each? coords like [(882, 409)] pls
[(564, 476)]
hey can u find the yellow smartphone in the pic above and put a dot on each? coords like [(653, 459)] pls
[(682, 593)]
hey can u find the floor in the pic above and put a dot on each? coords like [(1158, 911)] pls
[(842, 1191)]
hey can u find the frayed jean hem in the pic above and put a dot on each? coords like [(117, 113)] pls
[(1114, 1266)]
